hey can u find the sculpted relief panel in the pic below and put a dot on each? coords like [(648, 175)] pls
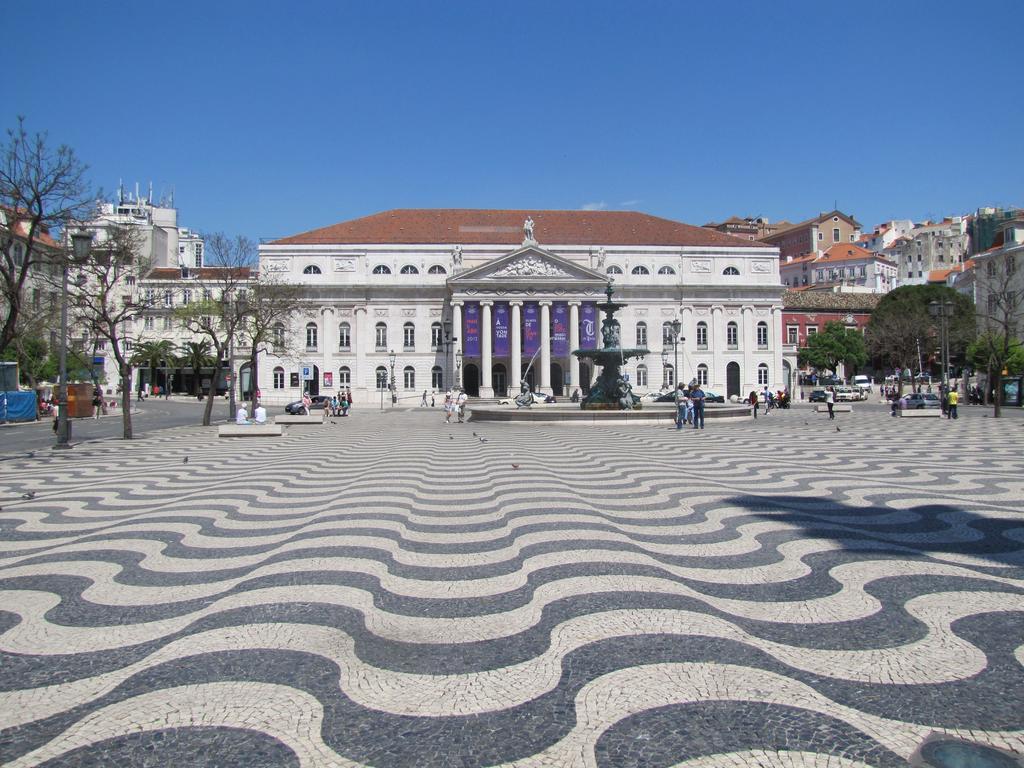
[(530, 266)]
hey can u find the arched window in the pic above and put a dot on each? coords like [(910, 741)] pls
[(666, 334), (279, 377), (382, 269), (640, 270), (311, 337), (702, 335), (666, 270), (277, 337), (409, 377), (344, 336), (762, 375), (732, 335), (382, 377), (409, 336), (436, 337), (702, 375), (730, 271), (344, 376), (437, 269), (762, 335), (381, 341), (613, 270), (641, 334), (641, 375), (409, 269), (668, 378), (437, 378), (312, 269)]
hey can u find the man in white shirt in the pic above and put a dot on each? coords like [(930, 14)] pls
[(241, 417), (461, 404), (260, 415)]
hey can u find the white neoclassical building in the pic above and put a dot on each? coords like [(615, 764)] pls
[(488, 298)]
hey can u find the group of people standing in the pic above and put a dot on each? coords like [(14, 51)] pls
[(690, 406), (455, 405), (337, 405)]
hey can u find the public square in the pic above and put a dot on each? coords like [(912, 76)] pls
[(386, 590)]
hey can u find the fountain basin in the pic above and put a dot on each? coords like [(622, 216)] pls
[(654, 414)]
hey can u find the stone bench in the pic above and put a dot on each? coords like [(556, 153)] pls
[(917, 412), (250, 430), (300, 418), (836, 408)]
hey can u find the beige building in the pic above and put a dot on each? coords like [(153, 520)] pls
[(815, 235)]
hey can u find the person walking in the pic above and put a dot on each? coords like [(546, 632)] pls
[(461, 402), (830, 401), (767, 399), (307, 401), (954, 400), (423, 400), (752, 399), (97, 402), (682, 405), (449, 405), (345, 404), (697, 404)]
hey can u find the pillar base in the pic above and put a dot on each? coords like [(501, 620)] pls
[(486, 392)]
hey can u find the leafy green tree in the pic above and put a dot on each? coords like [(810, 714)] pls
[(835, 344), (196, 355), (901, 332), (36, 361), (153, 355), (997, 350)]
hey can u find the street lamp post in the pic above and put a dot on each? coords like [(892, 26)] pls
[(942, 310), (676, 327), (81, 242), (394, 394)]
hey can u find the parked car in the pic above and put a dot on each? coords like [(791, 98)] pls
[(296, 407), (713, 397), (863, 383), (847, 394), (817, 396), (916, 400)]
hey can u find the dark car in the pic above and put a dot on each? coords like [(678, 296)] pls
[(709, 397), (296, 407), (818, 396)]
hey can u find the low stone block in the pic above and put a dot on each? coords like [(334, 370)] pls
[(916, 413), (836, 408), (287, 418), (250, 430)]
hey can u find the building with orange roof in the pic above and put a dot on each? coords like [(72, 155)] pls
[(485, 299), (929, 246), (844, 266), (814, 235)]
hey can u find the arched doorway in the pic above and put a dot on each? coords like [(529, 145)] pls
[(471, 380), (732, 380), (556, 380), (245, 381), (499, 378), (585, 376), (313, 385), (787, 375)]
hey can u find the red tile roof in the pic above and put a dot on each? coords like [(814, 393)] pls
[(505, 227), (203, 273)]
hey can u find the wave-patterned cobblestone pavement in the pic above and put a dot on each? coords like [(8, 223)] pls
[(389, 591)]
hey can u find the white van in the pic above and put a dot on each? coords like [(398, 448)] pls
[(863, 383)]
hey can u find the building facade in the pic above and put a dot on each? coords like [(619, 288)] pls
[(928, 247), (814, 235), (846, 265), (485, 299)]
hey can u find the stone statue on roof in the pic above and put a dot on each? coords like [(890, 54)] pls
[(457, 255), (600, 257), (528, 230)]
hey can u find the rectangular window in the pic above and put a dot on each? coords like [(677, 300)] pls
[(168, 298), (149, 323), (199, 255), (167, 323), (792, 334), (279, 378), (344, 377), (811, 330), (835, 235), (820, 275), (435, 337), (186, 297)]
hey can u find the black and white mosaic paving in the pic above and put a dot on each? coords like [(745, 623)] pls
[(391, 591)]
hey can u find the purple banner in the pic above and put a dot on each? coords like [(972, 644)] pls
[(560, 329), (500, 337), (531, 329), (588, 326), (471, 334)]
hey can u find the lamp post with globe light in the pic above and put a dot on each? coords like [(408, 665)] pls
[(81, 242)]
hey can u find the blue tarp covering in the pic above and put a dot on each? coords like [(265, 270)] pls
[(17, 406)]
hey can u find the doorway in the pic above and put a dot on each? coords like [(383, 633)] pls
[(557, 382), (500, 380), (732, 380), (471, 380)]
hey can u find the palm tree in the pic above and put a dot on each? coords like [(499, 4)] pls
[(154, 354), (196, 355)]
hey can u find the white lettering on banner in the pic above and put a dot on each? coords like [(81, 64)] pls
[(588, 327)]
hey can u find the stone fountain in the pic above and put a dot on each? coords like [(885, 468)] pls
[(611, 391)]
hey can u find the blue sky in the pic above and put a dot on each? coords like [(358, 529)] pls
[(268, 119)]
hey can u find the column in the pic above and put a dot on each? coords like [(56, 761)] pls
[(545, 347), (775, 367), (456, 341), (515, 373), (749, 345), (716, 345), (574, 344), (360, 344), (486, 385), (688, 335), (330, 340)]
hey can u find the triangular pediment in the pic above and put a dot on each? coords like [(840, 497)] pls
[(529, 264)]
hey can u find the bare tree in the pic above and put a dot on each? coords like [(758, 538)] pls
[(223, 301), (41, 188), (998, 347), (105, 298), (271, 307)]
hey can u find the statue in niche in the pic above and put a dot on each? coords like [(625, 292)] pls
[(528, 228)]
